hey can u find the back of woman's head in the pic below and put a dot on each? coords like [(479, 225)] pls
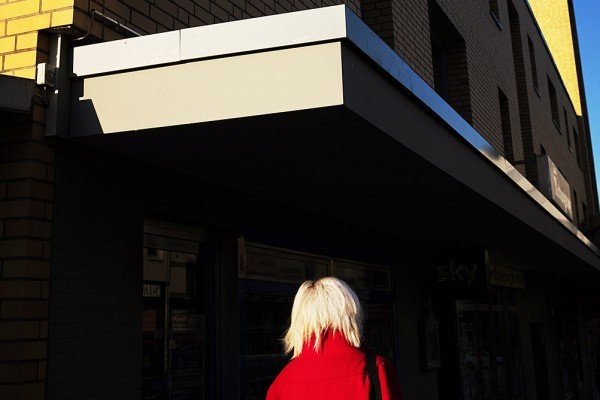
[(321, 305)]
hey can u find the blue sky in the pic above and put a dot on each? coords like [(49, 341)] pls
[(587, 16)]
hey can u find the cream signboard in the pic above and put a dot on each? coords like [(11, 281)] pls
[(553, 185)]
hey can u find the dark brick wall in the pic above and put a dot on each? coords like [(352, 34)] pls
[(26, 209), (151, 16), (95, 309), (378, 15), (492, 64)]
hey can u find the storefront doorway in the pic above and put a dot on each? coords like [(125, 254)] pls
[(175, 342), (270, 277), (569, 353), (489, 347), (478, 302)]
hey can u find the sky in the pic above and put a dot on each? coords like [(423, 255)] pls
[(587, 17)]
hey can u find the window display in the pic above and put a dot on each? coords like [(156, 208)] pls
[(489, 347), (174, 318)]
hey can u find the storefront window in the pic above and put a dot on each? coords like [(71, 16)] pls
[(569, 354), (174, 318), (474, 350), (489, 348), (592, 344), (267, 317)]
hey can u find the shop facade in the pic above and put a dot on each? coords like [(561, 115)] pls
[(180, 247), (198, 297), (195, 187)]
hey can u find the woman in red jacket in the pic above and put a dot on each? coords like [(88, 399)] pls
[(325, 339)]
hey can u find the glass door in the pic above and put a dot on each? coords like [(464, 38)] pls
[(489, 347), (175, 297), (265, 314)]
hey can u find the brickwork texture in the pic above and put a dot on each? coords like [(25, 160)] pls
[(26, 212)]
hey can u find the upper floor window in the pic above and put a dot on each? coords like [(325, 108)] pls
[(533, 65), (506, 128), (553, 104), (576, 207), (449, 59), (495, 12), (440, 82), (566, 118), (567, 129), (577, 146)]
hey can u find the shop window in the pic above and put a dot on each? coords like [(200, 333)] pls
[(449, 58), (533, 65), (540, 361), (506, 127), (489, 347), (569, 354), (553, 104), (174, 334)]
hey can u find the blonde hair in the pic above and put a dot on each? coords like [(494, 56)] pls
[(327, 303)]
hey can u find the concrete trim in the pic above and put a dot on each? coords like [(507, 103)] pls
[(125, 54), (283, 30)]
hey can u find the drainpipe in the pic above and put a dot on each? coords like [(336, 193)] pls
[(53, 76)]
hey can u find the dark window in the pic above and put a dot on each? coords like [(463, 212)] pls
[(449, 57), (585, 215), (577, 146), (494, 7), (542, 150), (506, 129), (175, 351), (566, 122), (495, 13), (540, 361), (553, 104), (567, 130), (575, 207), (439, 69), (533, 65)]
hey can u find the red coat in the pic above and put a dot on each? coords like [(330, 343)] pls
[(337, 371)]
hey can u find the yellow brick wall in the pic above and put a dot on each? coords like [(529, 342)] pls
[(20, 21), (554, 20)]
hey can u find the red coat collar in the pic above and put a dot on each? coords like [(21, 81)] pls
[(332, 342)]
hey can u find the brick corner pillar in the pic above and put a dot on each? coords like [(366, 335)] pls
[(26, 206)]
